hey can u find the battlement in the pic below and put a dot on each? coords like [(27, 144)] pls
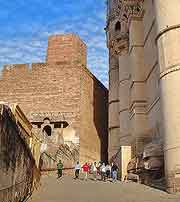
[(15, 69), (21, 70), (24, 71), (66, 48)]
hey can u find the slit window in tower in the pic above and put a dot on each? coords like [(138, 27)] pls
[(118, 26)]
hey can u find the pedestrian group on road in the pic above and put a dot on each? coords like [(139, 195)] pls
[(99, 171), (105, 171)]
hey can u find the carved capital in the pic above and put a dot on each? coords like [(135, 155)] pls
[(115, 12), (126, 10), (133, 9)]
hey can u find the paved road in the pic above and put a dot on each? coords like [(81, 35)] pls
[(69, 190)]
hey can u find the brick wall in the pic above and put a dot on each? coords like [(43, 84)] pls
[(44, 88), (94, 119)]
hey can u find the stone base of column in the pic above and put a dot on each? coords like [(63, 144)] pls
[(173, 181), (125, 158)]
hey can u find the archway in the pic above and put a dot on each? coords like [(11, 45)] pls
[(48, 130)]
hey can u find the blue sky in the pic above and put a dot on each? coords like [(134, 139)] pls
[(26, 24)]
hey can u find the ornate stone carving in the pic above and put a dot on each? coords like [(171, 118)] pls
[(115, 11), (133, 9), (119, 44), (53, 116), (124, 11)]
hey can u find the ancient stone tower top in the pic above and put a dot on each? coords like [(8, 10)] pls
[(66, 49)]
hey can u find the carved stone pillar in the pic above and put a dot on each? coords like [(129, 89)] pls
[(168, 40), (137, 106), (113, 105), (124, 85), (120, 46), (113, 33)]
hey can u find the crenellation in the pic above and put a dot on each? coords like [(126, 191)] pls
[(15, 70)]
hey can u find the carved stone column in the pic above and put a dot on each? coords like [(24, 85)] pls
[(168, 40), (113, 17), (120, 47), (124, 85), (113, 105), (138, 117)]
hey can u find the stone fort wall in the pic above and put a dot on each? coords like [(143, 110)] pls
[(94, 118), (59, 90)]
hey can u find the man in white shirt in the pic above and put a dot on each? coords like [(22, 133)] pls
[(94, 169), (103, 172), (77, 170), (108, 171)]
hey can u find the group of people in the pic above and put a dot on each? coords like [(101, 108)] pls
[(105, 171)]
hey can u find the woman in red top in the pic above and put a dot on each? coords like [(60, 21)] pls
[(85, 168)]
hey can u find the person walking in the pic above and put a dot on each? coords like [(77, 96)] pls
[(108, 171), (103, 172), (94, 170), (114, 170), (91, 168), (85, 168), (99, 168), (77, 170), (59, 168)]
